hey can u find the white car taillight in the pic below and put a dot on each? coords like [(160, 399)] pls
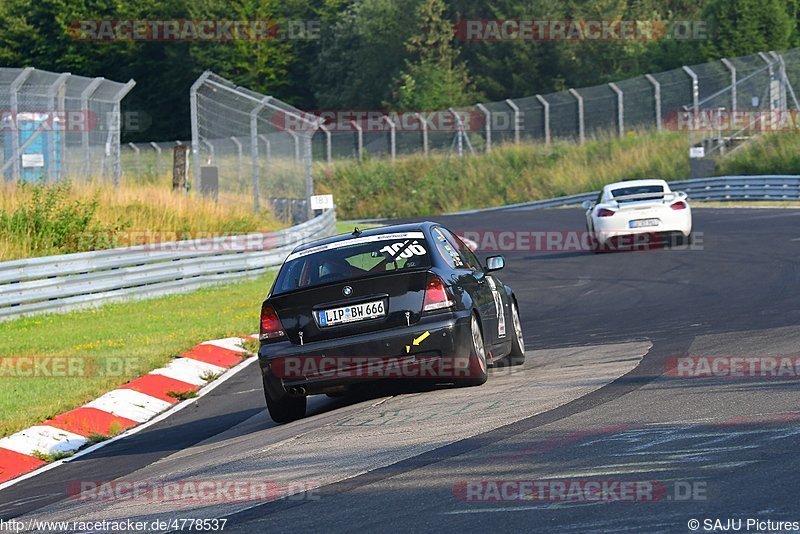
[(680, 205)]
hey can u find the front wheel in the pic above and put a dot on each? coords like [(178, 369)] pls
[(517, 354), (477, 369)]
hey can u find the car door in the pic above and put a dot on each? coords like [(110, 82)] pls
[(478, 284)]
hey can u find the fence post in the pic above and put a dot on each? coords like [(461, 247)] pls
[(787, 86), (546, 112), (296, 142), (158, 156), (424, 124), (57, 89), (239, 167), (328, 148), (254, 149), (212, 160), (656, 98), (620, 110), (773, 98), (359, 140), (783, 82), (115, 133), (392, 137), (16, 166), (510, 103), (487, 116), (581, 127), (695, 90), (90, 89), (138, 158), (732, 70), (196, 129)]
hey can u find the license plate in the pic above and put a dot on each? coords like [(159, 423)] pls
[(351, 314), (642, 223)]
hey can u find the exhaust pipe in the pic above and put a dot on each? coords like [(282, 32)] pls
[(297, 391)]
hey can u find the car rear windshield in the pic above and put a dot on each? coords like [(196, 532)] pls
[(355, 258), (649, 191)]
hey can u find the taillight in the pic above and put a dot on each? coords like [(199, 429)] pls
[(680, 205), (603, 212), (436, 296), (271, 326)]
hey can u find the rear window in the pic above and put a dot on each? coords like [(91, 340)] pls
[(652, 191), (351, 259)]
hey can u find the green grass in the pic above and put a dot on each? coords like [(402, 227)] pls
[(142, 335), (419, 186)]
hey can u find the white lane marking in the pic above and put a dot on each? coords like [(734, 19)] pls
[(230, 343), (176, 408), (130, 404), (188, 370), (43, 438)]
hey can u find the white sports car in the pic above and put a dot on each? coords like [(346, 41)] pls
[(637, 207)]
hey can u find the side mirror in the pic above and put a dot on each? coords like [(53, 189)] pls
[(494, 263), (587, 204)]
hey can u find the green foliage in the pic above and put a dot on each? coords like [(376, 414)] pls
[(51, 220), (747, 26)]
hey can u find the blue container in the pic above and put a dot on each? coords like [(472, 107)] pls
[(43, 155)]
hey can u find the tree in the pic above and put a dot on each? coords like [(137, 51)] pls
[(434, 78), (740, 27)]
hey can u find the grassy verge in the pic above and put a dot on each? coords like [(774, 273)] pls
[(418, 186), (64, 218), (122, 341)]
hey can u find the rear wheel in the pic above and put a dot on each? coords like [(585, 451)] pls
[(477, 358), (286, 409), (517, 355)]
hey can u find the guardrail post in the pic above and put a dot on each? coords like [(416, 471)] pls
[(546, 117), (196, 130), (732, 68), (158, 156), (16, 166), (657, 99), (515, 110), (620, 109), (424, 124), (57, 89), (359, 140), (581, 130), (392, 137), (487, 116), (239, 167)]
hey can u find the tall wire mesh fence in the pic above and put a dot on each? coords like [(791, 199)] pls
[(249, 145), (55, 126)]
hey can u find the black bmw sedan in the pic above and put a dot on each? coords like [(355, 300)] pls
[(407, 301)]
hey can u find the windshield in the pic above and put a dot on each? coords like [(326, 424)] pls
[(649, 191), (351, 259)]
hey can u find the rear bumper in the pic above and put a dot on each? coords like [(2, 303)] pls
[(607, 229), (441, 354)]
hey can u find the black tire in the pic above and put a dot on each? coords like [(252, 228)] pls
[(517, 354), (286, 409), (478, 373)]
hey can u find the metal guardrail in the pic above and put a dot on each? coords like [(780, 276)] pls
[(55, 284), (719, 188)]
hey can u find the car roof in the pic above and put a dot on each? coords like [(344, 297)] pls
[(367, 232), (635, 183)]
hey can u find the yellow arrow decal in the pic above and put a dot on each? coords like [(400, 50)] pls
[(420, 339)]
